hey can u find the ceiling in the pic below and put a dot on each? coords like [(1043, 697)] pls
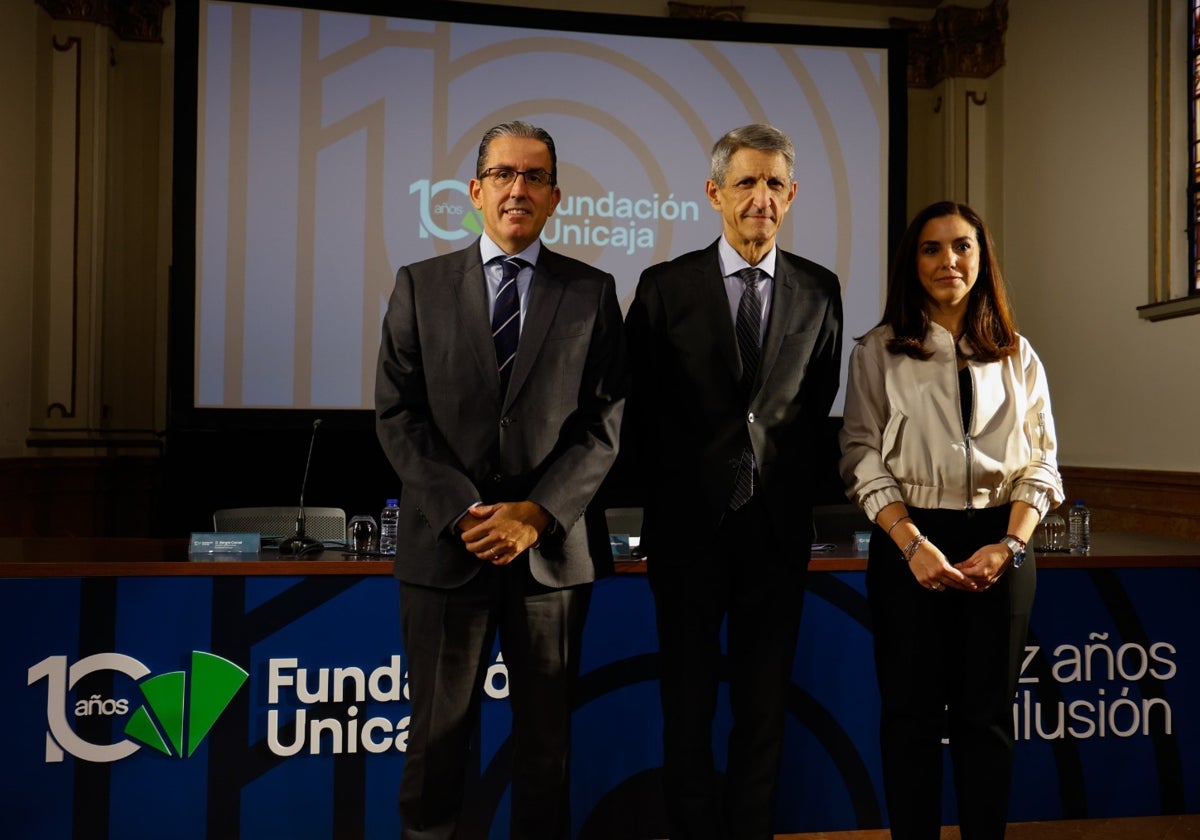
[(910, 4), (918, 4)]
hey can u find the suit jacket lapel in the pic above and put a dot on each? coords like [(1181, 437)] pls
[(711, 287), (545, 292), (783, 302), (470, 290)]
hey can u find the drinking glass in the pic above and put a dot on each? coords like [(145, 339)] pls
[(362, 535), (1051, 534)]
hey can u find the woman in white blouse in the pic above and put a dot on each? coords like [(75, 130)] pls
[(948, 446)]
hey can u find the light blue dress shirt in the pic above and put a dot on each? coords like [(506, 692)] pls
[(494, 272), (731, 263)]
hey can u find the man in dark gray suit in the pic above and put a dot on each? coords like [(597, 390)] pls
[(735, 352), (499, 392)]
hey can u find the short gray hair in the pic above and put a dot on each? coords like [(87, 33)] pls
[(517, 128), (757, 136)]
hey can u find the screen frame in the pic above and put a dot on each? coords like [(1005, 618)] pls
[(183, 414)]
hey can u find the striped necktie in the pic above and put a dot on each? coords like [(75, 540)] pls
[(506, 320), (748, 329), (749, 325)]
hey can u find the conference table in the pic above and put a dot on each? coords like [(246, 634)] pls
[(150, 695)]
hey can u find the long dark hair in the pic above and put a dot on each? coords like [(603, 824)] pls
[(988, 327)]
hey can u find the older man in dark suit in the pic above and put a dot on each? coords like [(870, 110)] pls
[(735, 351), (499, 392)]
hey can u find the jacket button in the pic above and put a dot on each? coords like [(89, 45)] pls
[(505, 422), (494, 478)]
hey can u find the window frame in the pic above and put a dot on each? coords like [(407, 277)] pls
[(1175, 73)]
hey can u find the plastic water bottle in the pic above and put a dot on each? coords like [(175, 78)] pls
[(1079, 528), (389, 524)]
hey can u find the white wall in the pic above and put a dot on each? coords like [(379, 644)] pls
[(1077, 239)]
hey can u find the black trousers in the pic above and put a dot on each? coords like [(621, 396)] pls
[(948, 664), (448, 636), (742, 576)]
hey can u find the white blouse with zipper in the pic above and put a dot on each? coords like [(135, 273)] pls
[(903, 440)]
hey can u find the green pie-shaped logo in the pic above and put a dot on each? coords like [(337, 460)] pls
[(160, 722)]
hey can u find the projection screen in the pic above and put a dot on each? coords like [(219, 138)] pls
[(334, 147)]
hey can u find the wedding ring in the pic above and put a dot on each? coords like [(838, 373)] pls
[(937, 587)]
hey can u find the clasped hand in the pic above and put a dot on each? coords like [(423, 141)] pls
[(498, 533), (975, 574), (986, 565)]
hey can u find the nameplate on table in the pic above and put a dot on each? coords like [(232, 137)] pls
[(224, 546)]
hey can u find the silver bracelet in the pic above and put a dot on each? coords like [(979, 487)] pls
[(897, 522), (913, 546)]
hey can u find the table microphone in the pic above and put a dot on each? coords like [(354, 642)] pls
[(298, 544)]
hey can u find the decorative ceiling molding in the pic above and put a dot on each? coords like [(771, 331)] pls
[(130, 20), (690, 10), (956, 42)]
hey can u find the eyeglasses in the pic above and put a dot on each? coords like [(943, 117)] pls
[(503, 176)]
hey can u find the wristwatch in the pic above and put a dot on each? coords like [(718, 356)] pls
[(1017, 546)]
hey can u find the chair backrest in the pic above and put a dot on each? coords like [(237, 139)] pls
[(323, 523)]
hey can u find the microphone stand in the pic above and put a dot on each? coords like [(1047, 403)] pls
[(299, 543)]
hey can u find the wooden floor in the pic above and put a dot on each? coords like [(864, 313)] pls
[(1185, 827)]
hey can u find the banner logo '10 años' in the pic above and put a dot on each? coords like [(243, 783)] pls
[(197, 697)]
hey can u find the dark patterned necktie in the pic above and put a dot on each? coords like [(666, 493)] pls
[(749, 331), (749, 325), (506, 320)]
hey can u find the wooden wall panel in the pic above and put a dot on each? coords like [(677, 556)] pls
[(80, 497), (120, 497), (1139, 501)]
